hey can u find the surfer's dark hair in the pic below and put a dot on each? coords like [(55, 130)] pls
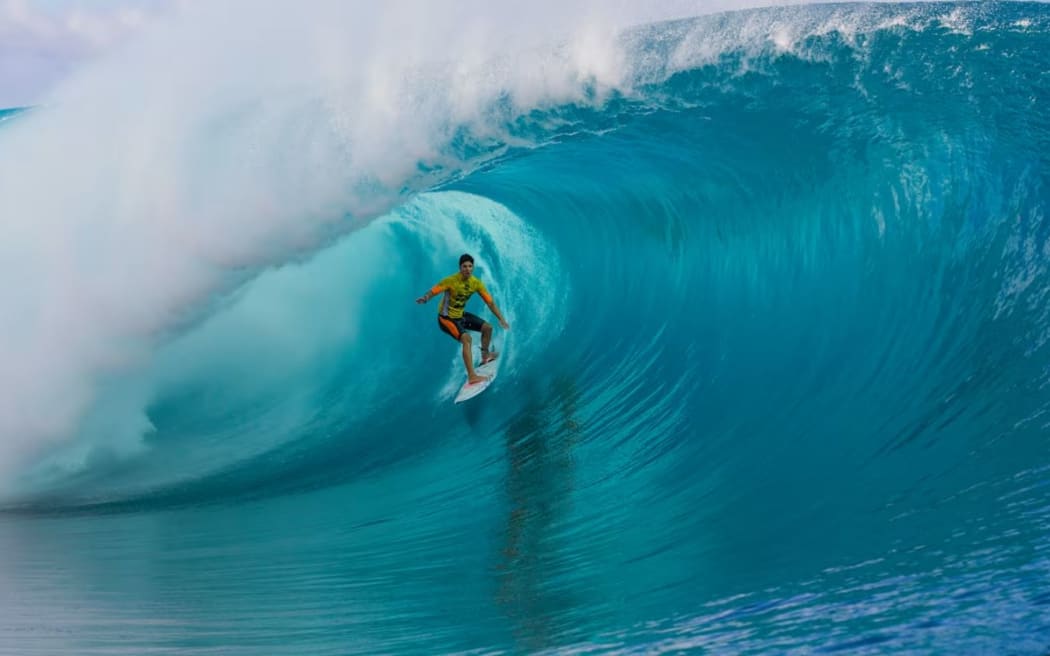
[(466, 257)]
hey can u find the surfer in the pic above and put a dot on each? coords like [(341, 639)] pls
[(458, 288)]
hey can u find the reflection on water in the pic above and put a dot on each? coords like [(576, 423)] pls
[(535, 564)]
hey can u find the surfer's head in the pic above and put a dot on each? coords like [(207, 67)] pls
[(466, 265)]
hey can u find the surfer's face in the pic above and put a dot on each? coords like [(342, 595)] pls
[(466, 268)]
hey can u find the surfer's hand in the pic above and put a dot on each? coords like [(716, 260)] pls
[(421, 300), (503, 324)]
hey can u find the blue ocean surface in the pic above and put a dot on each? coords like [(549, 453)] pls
[(776, 382)]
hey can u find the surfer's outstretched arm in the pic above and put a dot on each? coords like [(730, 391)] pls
[(431, 293)]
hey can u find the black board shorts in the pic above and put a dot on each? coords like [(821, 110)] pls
[(455, 327)]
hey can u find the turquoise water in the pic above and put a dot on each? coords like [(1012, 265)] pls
[(775, 381)]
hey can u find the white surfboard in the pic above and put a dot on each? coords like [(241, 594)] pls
[(469, 391)]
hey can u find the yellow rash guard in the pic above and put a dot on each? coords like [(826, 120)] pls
[(457, 291)]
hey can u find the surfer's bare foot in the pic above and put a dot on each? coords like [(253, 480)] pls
[(489, 357), (474, 380)]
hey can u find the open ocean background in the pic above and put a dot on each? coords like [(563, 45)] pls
[(777, 379)]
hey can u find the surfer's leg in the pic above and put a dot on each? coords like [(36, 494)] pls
[(486, 339), (472, 376), (452, 327), (474, 322)]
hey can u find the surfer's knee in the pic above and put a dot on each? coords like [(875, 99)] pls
[(465, 338)]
